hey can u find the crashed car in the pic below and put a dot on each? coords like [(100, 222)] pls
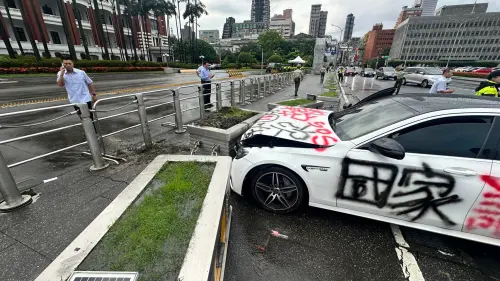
[(432, 163)]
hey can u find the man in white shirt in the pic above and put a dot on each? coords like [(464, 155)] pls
[(440, 86), (79, 86), (322, 72), (204, 73)]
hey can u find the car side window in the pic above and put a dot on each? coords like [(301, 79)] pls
[(410, 70), (451, 136)]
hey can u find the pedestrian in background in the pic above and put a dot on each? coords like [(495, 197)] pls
[(79, 86), (297, 77), (440, 86), (206, 79), (399, 78), (491, 86), (322, 72), (340, 73)]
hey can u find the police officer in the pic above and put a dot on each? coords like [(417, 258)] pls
[(491, 86)]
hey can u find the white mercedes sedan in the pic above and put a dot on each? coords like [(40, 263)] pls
[(430, 162)]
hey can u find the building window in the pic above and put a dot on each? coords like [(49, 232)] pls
[(11, 4), (20, 34), (47, 10), (55, 37)]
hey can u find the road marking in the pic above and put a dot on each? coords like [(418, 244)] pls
[(409, 264), (49, 180)]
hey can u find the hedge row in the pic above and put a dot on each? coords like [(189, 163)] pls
[(97, 69), (28, 61), (470, 74)]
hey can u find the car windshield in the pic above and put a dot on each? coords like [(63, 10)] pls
[(433, 71), (388, 69), (370, 117), (369, 69)]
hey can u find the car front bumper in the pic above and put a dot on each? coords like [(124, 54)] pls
[(239, 169)]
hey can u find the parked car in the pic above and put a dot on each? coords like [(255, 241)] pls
[(423, 76), (482, 70), (432, 163), (368, 72), (350, 71), (214, 66), (386, 73)]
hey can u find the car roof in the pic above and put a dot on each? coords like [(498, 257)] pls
[(424, 103)]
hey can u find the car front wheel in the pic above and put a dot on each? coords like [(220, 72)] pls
[(424, 84), (278, 190)]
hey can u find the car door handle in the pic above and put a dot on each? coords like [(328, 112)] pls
[(460, 171)]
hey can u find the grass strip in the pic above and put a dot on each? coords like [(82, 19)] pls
[(329, 94), (295, 102), (225, 118), (153, 234)]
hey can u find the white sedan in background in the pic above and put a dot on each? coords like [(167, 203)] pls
[(430, 162)]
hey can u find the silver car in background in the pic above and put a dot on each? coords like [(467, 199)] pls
[(423, 76), (386, 73)]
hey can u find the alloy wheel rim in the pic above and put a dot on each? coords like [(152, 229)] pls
[(276, 191)]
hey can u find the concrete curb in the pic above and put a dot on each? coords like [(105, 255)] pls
[(205, 232), (225, 138), (317, 104)]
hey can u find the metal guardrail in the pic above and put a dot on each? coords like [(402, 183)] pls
[(234, 92)]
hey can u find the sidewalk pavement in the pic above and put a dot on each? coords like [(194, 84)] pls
[(30, 238), (311, 84)]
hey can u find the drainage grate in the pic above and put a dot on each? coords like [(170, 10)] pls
[(103, 276)]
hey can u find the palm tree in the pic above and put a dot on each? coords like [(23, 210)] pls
[(179, 27), (142, 8), (67, 32), (128, 15), (41, 29), (29, 31), (100, 30), (119, 26), (80, 29), (200, 7), (6, 5), (163, 8), (194, 11), (6, 40)]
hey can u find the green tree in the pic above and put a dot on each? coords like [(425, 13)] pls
[(245, 58), (194, 11), (270, 40), (163, 8), (275, 58), (204, 49), (385, 51)]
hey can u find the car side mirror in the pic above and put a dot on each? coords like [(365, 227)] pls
[(388, 148)]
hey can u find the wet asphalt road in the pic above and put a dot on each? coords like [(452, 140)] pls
[(364, 86)]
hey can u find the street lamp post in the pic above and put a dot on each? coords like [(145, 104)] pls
[(340, 39), (202, 57), (459, 34)]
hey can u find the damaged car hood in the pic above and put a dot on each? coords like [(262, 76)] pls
[(297, 124)]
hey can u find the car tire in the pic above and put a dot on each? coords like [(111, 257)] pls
[(403, 81), (272, 197), (424, 84)]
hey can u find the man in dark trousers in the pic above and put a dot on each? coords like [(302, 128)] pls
[(206, 80)]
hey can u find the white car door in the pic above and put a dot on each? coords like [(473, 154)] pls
[(484, 216), (435, 183)]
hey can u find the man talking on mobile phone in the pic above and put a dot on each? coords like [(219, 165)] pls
[(79, 86)]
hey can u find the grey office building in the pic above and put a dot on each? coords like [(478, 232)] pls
[(261, 11), (227, 31), (317, 22), (432, 38), (454, 10), (349, 27)]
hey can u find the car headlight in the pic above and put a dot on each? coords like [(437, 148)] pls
[(241, 152)]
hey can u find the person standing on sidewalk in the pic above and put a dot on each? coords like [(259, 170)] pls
[(491, 86), (297, 77), (206, 80), (322, 72), (440, 86), (340, 73), (79, 86)]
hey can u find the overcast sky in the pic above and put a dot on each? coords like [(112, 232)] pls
[(366, 12)]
